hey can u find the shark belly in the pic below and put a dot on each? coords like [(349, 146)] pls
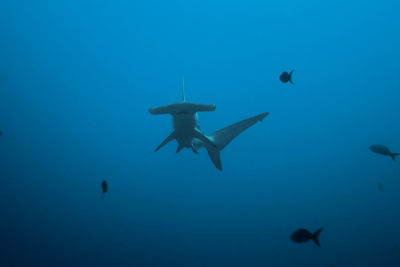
[(184, 126)]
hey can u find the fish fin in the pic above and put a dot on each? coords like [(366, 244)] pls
[(225, 135), (194, 149), (315, 237), (290, 77), (393, 156), (199, 135), (214, 155), (179, 148), (221, 138), (166, 141)]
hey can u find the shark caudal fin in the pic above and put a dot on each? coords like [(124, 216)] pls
[(224, 136), (221, 138), (315, 237), (394, 155), (166, 141), (214, 155)]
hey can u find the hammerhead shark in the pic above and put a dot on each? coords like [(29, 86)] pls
[(188, 134)]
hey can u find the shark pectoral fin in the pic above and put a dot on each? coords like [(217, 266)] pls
[(166, 141), (214, 155), (202, 137)]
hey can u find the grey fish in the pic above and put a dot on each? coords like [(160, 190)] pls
[(286, 77), (303, 235), (383, 150)]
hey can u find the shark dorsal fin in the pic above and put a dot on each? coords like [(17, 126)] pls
[(183, 90)]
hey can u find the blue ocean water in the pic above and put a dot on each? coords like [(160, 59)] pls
[(77, 79)]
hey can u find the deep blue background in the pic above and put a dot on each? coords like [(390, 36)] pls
[(77, 79)]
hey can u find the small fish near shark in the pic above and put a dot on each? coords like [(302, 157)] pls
[(303, 235), (383, 150), (187, 132), (104, 188), (286, 77)]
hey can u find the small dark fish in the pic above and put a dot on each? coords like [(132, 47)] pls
[(380, 186), (286, 77), (104, 187), (383, 150), (303, 235)]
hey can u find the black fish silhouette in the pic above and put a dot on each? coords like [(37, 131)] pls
[(383, 150), (303, 235), (104, 187), (286, 77)]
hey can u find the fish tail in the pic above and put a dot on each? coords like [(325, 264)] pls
[(393, 155), (290, 77), (315, 237)]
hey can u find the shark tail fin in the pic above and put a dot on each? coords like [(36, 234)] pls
[(290, 77), (394, 155), (214, 154), (225, 135), (166, 141), (217, 141), (315, 237)]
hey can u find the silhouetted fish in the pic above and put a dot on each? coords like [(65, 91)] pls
[(286, 77), (104, 187), (303, 235), (383, 150)]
